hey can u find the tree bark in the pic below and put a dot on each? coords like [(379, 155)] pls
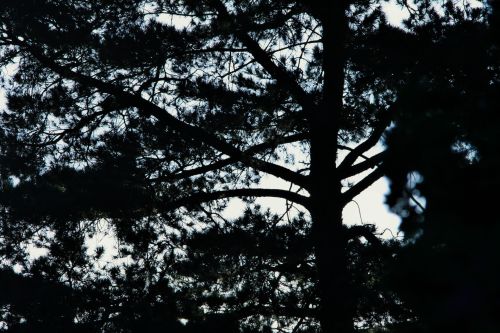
[(337, 300)]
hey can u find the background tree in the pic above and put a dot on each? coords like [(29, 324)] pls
[(449, 266)]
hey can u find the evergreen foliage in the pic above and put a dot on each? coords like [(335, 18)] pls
[(140, 120)]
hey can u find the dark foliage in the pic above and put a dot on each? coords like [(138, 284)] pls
[(449, 269), (139, 121)]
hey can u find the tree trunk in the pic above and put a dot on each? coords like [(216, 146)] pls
[(337, 300), (335, 291)]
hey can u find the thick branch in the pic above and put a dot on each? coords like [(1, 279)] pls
[(370, 162), (342, 147), (186, 130), (362, 185), (201, 197), (372, 140)]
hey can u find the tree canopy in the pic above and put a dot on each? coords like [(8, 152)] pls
[(140, 121)]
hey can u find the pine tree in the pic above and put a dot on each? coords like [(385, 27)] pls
[(149, 116)]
